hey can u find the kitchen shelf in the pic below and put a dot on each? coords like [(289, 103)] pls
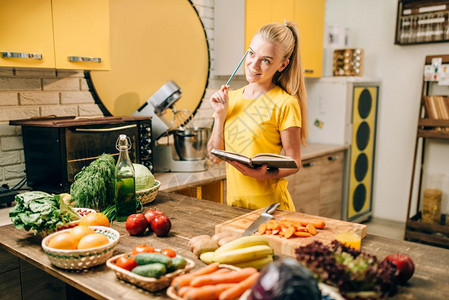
[(422, 22), (428, 128)]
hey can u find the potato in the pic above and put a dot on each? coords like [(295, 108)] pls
[(197, 238), (204, 245), (219, 236)]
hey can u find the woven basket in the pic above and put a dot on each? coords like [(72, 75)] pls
[(81, 211), (173, 295), (147, 283), (148, 195), (82, 259)]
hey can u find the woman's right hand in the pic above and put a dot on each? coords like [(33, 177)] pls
[(219, 101)]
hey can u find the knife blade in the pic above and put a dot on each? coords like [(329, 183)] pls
[(264, 218)]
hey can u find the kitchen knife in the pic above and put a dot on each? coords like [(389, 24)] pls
[(264, 218)]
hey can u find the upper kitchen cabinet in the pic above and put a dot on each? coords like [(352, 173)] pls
[(60, 34), (236, 16), (26, 34), (81, 31), (308, 15)]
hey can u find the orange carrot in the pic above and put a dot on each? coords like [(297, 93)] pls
[(262, 228), (207, 292), (290, 231), (273, 225), (300, 228), (287, 224), (315, 222), (311, 229), (231, 277), (267, 231), (302, 234), (182, 291), (237, 290), (281, 233), (184, 280)]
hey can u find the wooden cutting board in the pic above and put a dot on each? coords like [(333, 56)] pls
[(283, 246)]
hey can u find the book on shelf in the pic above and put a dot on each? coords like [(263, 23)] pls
[(437, 108), (270, 159)]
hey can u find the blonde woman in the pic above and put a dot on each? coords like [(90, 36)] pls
[(265, 116)]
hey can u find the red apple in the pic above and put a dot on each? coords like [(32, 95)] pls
[(151, 213), (136, 224), (404, 265), (161, 225)]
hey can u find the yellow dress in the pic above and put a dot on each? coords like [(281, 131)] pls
[(253, 126)]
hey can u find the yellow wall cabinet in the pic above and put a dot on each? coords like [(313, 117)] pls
[(308, 15), (60, 34)]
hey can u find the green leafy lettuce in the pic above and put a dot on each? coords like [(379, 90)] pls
[(40, 211)]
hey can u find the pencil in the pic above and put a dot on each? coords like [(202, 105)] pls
[(238, 66)]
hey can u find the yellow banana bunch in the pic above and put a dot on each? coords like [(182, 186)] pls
[(250, 251)]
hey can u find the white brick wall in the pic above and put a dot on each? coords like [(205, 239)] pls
[(39, 98)]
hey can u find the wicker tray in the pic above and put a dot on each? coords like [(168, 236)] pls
[(82, 259), (146, 283), (148, 195), (80, 210), (171, 291)]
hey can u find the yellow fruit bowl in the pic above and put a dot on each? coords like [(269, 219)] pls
[(85, 258)]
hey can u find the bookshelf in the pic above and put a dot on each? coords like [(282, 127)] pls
[(433, 123)]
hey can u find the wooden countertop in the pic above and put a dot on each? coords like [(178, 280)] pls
[(429, 282), (176, 181)]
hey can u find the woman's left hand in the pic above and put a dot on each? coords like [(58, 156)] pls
[(258, 173)]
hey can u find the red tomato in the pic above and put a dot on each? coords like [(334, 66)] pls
[(151, 213), (143, 249), (126, 262), (168, 252), (136, 224)]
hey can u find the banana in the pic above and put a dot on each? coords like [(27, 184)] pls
[(207, 257), (242, 242), (243, 254), (257, 263)]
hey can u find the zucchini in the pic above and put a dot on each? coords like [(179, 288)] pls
[(154, 270), (178, 262), (150, 258)]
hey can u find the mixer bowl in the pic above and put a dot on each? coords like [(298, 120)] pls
[(191, 143)]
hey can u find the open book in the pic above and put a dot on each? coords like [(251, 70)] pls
[(270, 159)]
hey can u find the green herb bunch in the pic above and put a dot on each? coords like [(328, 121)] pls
[(40, 211), (94, 184)]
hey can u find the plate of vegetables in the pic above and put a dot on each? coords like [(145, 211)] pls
[(149, 268)]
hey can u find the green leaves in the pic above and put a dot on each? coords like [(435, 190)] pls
[(94, 184), (40, 211)]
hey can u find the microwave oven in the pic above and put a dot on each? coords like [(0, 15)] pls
[(56, 149)]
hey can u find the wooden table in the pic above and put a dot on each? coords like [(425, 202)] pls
[(191, 217)]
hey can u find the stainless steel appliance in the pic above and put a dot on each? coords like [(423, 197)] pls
[(56, 149), (187, 152)]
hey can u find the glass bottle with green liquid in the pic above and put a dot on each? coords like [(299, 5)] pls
[(125, 189)]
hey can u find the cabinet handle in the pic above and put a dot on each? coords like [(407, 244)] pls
[(84, 59), (308, 71), (308, 164), (331, 158), (22, 55)]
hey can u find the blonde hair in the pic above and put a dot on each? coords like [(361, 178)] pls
[(291, 79)]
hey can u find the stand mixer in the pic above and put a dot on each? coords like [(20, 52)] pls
[(190, 144)]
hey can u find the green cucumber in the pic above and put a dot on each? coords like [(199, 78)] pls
[(178, 262), (150, 258), (154, 270)]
